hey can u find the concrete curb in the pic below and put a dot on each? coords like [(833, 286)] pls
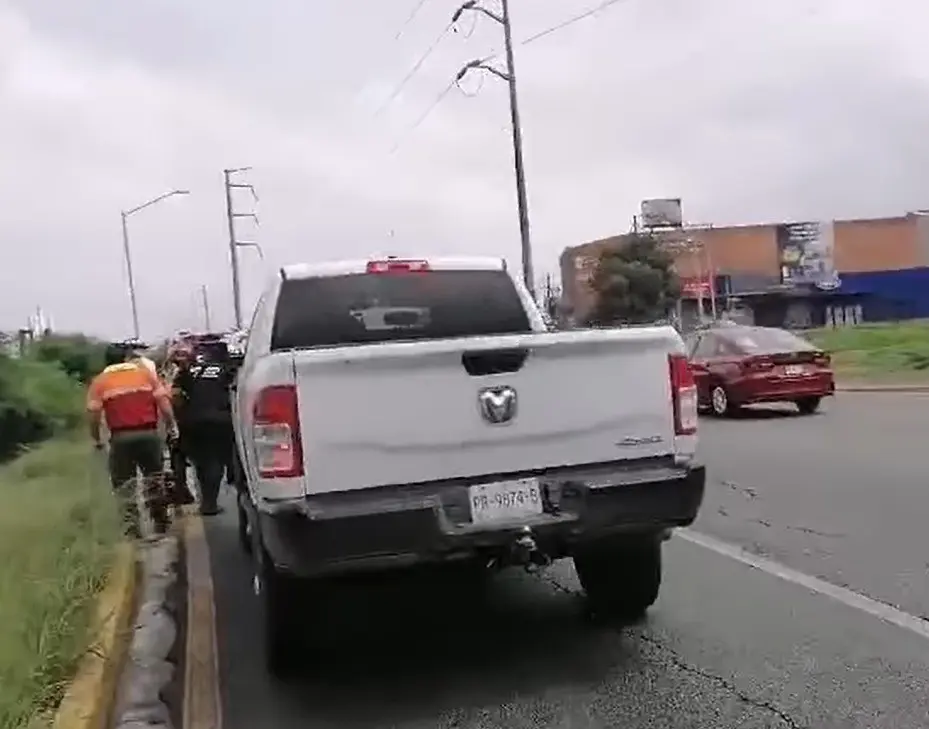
[(89, 698), (150, 667), (202, 706)]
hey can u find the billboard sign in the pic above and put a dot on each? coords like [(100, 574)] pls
[(584, 269), (661, 213), (805, 255)]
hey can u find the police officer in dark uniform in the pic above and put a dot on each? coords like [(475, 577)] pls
[(203, 385)]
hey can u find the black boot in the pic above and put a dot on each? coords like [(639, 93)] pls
[(210, 475), (180, 492)]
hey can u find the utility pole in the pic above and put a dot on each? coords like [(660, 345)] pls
[(509, 75), (235, 243), (206, 308)]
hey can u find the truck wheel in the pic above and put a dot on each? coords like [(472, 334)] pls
[(277, 598), (622, 576)]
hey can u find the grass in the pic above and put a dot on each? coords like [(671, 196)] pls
[(58, 528), (897, 352)]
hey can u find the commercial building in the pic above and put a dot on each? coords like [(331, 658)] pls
[(799, 274)]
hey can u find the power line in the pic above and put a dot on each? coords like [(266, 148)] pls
[(413, 13), (561, 25), (425, 115), (413, 71), (526, 41), (569, 21)]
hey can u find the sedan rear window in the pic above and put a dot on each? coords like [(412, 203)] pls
[(765, 340), (382, 307)]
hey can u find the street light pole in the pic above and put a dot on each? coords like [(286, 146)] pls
[(206, 308), (509, 76), (127, 253)]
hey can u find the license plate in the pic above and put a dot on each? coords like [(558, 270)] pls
[(794, 370), (505, 501)]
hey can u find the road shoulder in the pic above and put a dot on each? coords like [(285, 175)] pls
[(202, 709), (88, 701)]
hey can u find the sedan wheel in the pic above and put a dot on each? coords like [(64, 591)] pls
[(719, 400)]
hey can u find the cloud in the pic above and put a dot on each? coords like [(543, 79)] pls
[(749, 111)]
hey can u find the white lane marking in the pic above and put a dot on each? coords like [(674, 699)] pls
[(882, 611)]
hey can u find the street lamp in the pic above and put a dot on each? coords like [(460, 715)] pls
[(128, 256)]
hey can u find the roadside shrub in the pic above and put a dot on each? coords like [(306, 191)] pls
[(79, 356), (58, 529), (37, 400)]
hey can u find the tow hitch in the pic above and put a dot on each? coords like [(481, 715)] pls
[(525, 552)]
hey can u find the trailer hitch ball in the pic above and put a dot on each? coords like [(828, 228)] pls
[(526, 551)]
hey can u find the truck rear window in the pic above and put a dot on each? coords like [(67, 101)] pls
[(368, 308)]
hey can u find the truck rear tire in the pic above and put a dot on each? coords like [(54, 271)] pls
[(621, 575), (279, 606)]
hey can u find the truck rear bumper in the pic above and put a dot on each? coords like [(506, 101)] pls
[(404, 526)]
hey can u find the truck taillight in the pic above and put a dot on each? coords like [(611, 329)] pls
[(683, 395), (276, 433), (396, 265)]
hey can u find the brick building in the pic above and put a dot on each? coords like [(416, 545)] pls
[(866, 254)]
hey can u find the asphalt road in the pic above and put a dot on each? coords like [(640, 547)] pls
[(839, 495), (843, 495)]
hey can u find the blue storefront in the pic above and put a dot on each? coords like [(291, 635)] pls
[(852, 298), (889, 295)]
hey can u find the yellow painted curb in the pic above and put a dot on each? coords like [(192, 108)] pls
[(202, 707), (88, 701)]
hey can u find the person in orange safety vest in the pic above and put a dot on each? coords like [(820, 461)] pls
[(130, 400)]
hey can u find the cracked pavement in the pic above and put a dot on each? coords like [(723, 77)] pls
[(842, 495), (837, 495)]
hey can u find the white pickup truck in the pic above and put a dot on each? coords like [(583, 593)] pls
[(395, 413)]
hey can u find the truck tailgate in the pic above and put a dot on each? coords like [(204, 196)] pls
[(409, 412)]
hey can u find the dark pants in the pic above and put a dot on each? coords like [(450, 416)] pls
[(178, 456), (132, 452), (208, 445)]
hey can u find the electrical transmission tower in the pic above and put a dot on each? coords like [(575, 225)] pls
[(234, 242)]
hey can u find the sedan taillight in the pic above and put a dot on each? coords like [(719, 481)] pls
[(757, 364)]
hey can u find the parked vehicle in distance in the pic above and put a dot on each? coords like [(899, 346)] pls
[(736, 365), (397, 413)]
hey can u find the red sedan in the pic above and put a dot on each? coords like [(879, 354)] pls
[(736, 365)]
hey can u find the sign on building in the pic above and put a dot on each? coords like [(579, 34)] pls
[(805, 254), (584, 269), (661, 213), (696, 287)]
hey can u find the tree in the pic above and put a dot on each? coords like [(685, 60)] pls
[(81, 357), (633, 283)]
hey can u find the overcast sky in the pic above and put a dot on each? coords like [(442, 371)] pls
[(749, 111)]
